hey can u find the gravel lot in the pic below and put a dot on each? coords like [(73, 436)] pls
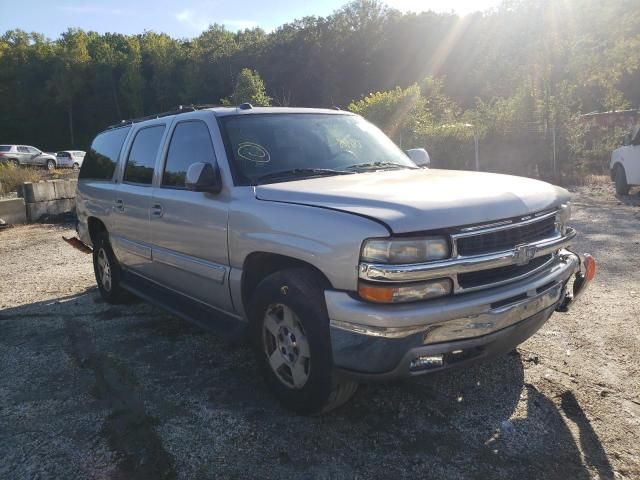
[(90, 390)]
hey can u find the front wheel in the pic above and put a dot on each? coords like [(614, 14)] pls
[(50, 165), (76, 167), (622, 187), (290, 335)]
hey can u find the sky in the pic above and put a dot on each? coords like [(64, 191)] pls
[(187, 18)]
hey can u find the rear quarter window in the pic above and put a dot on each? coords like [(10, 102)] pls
[(101, 159), (5, 148)]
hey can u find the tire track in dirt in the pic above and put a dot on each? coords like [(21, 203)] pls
[(128, 430)]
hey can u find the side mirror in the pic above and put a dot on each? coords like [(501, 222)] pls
[(626, 140), (420, 157), (203, 177)]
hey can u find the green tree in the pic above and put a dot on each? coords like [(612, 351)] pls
[(249, 88), (68, 78)]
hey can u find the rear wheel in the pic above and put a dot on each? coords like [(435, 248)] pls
[(50, 165), (107, 270), (15, 162), (622, 187), (76, 166), (290, 335)]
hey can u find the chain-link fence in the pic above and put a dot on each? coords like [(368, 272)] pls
[(568, 151)]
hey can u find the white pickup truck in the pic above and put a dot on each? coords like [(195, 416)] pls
[(625, 163)]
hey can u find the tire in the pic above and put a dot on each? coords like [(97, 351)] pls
[(108, 283), (50, 165), (288, 311), (14, 162), (75, 167), (622, 187)]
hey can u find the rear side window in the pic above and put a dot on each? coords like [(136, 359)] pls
[(23, 149), (190, 143), (5, 148), (142, 156), (63, 154), (102, 158)]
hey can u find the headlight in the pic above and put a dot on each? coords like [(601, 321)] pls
[(399, 251), (563, 216), (386, 293)]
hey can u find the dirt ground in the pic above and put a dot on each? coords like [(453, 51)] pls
[(90, 390)]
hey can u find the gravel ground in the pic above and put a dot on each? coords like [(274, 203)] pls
[(90, 390)]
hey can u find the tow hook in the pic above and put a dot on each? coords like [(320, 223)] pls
[(580, 283), (76, 243)]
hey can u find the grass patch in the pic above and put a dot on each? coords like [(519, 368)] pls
[(12, 176)]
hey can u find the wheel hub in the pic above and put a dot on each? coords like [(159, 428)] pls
[(287, 346)]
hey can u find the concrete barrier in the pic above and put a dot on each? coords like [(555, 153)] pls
[(12, 210), (35, 211), (50, 198)]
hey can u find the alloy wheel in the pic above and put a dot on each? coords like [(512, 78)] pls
[(286, 346), (104, 270)]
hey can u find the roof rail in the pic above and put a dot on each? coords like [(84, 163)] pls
[(178, 110)]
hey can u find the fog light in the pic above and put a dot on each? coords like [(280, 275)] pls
[(425, 362)]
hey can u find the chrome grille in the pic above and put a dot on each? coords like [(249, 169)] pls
[(506, 239), (496, 275)]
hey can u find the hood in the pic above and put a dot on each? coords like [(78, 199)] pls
[(417, 200)]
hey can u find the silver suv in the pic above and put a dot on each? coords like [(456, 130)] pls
[(312, 231), (27, 155)]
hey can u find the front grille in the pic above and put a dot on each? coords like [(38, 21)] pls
[(500, 274), (506, 239)]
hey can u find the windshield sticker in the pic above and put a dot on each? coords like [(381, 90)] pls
[(253, 152)]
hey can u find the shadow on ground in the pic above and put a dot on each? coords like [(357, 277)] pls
[(170, 401)]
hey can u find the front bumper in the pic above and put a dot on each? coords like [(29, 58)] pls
[(373, 341)]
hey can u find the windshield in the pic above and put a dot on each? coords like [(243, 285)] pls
[(262, 145)]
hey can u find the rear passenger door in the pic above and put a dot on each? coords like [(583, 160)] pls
[(25, 155), (131, 237), (189, 229)]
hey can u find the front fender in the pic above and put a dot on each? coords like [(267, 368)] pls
[(327, 239)]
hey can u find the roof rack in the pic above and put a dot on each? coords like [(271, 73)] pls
[(178, 110)]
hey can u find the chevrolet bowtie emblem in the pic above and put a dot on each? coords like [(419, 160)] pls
[(523, 254)]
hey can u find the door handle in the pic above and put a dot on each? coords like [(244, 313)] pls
[(157, 210), (119, 205)]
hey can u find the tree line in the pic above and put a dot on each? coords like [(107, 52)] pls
[(518, 73)]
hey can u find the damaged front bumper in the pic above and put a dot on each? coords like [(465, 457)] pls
[(373, 341)]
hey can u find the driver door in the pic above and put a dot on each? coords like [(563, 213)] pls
[(189, 229), (36, 156)]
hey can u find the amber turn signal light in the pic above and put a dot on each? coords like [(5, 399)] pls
[(589, 267), (375, 293)]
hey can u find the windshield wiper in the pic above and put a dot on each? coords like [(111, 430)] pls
[(377, 165), (298, 172)]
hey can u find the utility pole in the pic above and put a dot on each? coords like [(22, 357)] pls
[(553, 136)]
